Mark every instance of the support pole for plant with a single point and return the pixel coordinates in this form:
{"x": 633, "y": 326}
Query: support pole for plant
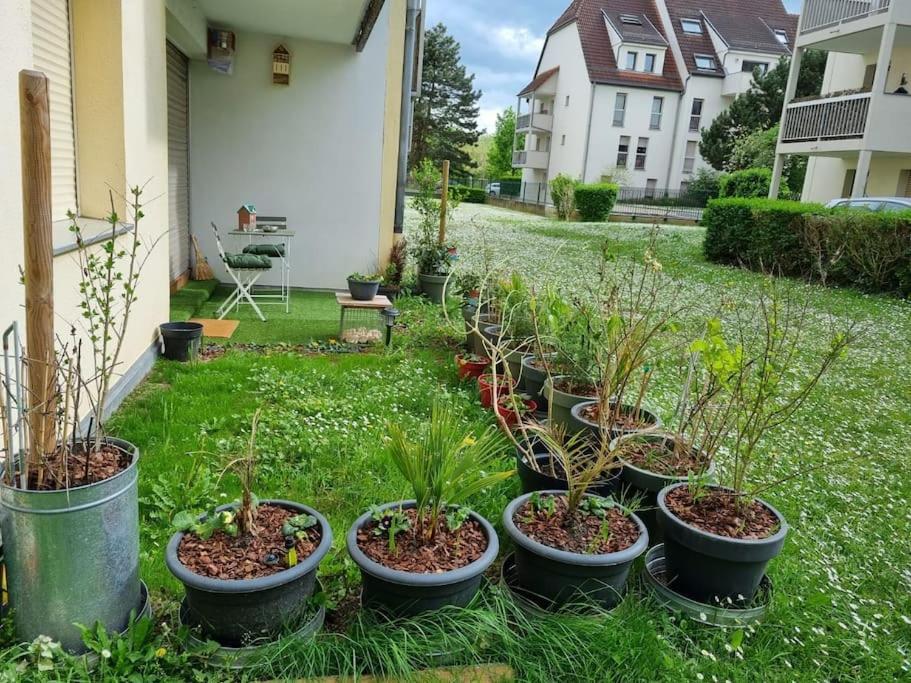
{"x": 34, "y": 124}
{"x": 444, "y": 201}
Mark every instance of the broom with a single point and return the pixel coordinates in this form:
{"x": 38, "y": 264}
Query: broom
{"x": 202, "y": 270}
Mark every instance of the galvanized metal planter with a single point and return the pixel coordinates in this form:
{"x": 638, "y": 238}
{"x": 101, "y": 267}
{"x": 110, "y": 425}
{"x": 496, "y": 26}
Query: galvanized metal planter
{"x": 73, "y": 556}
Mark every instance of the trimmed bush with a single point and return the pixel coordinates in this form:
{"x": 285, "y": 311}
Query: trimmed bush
{"x": 470, "y": 195}
{"x": 595, "y": 202}
{"x": 750, "y": 183}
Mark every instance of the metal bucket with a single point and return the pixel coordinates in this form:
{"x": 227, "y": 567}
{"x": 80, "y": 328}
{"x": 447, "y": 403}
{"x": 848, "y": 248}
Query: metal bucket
{"x": 73, "y": 556}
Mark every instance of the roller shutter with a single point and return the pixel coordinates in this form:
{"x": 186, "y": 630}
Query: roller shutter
{"x": 178, "y": 162}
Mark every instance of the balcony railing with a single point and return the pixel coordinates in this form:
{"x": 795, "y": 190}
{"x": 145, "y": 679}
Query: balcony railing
{"x": 836, "y": 118}
{"x": 530, "y": 158}
{"x": 523, "y": 122}
{"x": 539, "y": 121}
{"x": 822, "y": 13}
{"x": 519, "y": 158}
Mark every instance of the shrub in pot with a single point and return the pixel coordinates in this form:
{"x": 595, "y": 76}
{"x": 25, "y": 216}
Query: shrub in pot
{"x": 249, "y": 568}
{"x": 444, "y": 467}
{"x": 433, "y": 258}
{"x": 364, "y": 287}
{"x": 718, "y": 538}
{"x": 512, "y": 407}
{"x": 491, "y": 387}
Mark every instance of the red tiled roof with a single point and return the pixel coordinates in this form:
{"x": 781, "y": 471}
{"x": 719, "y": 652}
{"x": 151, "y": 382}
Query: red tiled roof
{"x": 539, "y": 80}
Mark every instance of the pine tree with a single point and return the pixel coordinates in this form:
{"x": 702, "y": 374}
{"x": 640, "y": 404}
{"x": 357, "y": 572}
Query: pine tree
{"x": 446, "y": 113}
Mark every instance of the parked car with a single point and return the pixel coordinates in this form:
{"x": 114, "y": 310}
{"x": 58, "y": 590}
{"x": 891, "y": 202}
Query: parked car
{"x": 493, "y": 189}
{"x": 873, "y": 204}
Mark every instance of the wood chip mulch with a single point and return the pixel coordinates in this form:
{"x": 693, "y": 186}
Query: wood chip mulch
{"x": 449, "y": 550}
{"x": 581, "y": 534}
{"x": 624, "y": 421}
{"x": 655, "y": 457}
{"x": 718, "y": 514}
{"x": 244, "y": 557}
{"x": 575, "y": 389}
{"x": 68, "y": 469}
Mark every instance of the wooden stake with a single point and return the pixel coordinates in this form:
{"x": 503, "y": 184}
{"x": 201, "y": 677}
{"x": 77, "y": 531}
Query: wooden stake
{"x": 444, "y": 201}
{"x": 34, "y": 125}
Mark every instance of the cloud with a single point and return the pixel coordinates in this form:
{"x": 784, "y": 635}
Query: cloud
{"x": 517, "y": 42}
{"x": 487, "y": 119}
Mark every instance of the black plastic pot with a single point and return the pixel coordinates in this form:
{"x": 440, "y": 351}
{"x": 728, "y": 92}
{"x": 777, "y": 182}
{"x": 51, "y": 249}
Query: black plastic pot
{"x": 534, "y": 380}
{"x": 538, "y": 479}
{"x": 235, "y": 612}
{"x": 181, "y": 340}
{"x": 406, "y": 594}
{"x": 434, "y": 286}
{"x": 711, "y": 568}
{"x": 559, "y": 577}
{"x": 637, "y": 483}
{"x": 581, "y": 423}
{"x": 560, "y": 405}
{"x": 363, "y": 290}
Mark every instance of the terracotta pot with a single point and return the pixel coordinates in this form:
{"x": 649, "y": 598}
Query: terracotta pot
{"x": 511, "y": 416}
{"x": 469, "y": 368}
{"x": 485, "y": 387}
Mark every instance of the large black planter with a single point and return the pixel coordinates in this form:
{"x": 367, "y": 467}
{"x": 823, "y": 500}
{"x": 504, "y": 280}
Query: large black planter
{"x": 239, "y": 611}
{"x": 558, "y": 577}
{"x": 434, "y": 286}
{"x": 711, "y": 568}
{"x": 637, "y": 483}
{"x": 406, "y": 594}
{"x": 560, "y": 405}
{"x": 539, "y": 479}
{"x": 534, "y": 379}
{"x": 581, "y": 423}
{"x": 181, "y": 340}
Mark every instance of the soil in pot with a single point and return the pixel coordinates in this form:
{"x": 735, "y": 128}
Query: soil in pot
{"x": 449, "y": 549}
{"x": 562, "y": 394}
{"x": 717, "y": 513}
{"x": 228, "y": 558}
{"x": 580, "y": 534}
{"x": 660, "y": 457}
{"x": 628, "y": 420}
{"x": 69, "y": 470}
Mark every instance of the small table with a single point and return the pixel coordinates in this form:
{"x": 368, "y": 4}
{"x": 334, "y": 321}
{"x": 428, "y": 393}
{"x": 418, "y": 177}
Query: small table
{"x": 345, "y": 302}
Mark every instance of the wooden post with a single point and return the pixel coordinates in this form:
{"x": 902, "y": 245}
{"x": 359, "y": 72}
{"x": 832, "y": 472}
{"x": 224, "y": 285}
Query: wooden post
{"x": 444, "y": 201}
{"x": 34, "y": 125}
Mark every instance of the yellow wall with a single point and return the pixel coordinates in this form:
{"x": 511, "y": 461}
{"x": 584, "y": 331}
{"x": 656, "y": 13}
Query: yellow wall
{"x": 391, "y": 127}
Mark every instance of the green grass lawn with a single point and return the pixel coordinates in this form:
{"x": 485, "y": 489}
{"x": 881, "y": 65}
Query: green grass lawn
{"x": 841, "y": 608}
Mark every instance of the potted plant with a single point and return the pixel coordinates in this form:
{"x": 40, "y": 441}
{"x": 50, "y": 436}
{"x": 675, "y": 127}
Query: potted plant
{"x": 395, "y": 270}
{"x": 573, "y": 545}
{"x": 364, "y": 287}
{"x": 471, "y": 365}
{"x": 719, "y": 537}
{"x": 432, "y": 254}
{"x": 492, "y": 386}
{"x": 248, "y": 568}
{"x": 70, "y": 511}
{"x": 431, "y": 551}
{"x": 512, "y": 407}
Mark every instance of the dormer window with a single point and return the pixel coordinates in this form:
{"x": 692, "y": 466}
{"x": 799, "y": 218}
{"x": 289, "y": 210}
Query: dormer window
{"x": 693, "y": 26}
{"x": 631, "y": 59}
{"x": 705, "y": 62}
{"x": 630, "y": 19}
{"x": 650, "y": 63}
{"x": 781, "y": 35}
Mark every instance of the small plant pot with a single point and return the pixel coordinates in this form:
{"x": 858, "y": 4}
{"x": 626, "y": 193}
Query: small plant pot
{"x": 581, "y": 423}
{"x": 363, "y": 290}
{"x": 540, "y": 479}
{"x": 434, "y": 286}
{"x": 645, "y": 485}
{"x": 404, "y": 593}
{"x": 560, "y": 577}
{"x": 485, "y": 388}
{"x": 534, "y": 379}
{"x": 710, "y": 568}
{"x": 181, "y": 340}
{"x": 560, "y": 405}
{"x": 511, "y": 417}
{"x": 469, "y": 368}
{"x": 236, "y": 612}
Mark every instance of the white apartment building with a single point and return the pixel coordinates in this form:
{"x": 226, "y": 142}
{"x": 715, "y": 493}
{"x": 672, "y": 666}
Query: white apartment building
{"x": 624, "y": 87}
{"x": 856, "y": 133}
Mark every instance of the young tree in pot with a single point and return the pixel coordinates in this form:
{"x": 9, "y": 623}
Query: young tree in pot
{"x": 572, "y": 545}
{"x": 429, "y": 552}
{"x": 70, "y": 511}
{"x": 433, "y": 257}
{"x": 718, "y": 538}
{"x": 249, "y": 568}
{"x": 513, "y": 301}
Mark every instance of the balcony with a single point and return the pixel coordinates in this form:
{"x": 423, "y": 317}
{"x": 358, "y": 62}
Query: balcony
{"x": 832, "y": 118}
{"x": 530, "y": 159}
{"x": 821, "y": 14}
{"x": 736, "y": 83}
{"x": 529, "y": 123}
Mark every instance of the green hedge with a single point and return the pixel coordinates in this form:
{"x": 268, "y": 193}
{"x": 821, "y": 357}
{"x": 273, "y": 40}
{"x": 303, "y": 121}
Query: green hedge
{"x": 595, "y": 202}
{"x": 470, "y": 195}
{"x": 750, "y": 183}
{"x": 871, "y": 251}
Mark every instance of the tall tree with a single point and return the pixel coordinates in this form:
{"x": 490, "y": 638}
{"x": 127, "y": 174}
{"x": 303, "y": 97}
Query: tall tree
{"x": 446, "y": 113}
{"x": 499, "y": 159}
{"x": 759, "y": 108}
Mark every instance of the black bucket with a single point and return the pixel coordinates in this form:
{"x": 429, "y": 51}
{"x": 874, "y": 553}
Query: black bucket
{"x": 181, "y": 340}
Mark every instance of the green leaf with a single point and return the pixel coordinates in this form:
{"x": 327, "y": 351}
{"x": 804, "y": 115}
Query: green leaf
{"x": 183, "y": 520}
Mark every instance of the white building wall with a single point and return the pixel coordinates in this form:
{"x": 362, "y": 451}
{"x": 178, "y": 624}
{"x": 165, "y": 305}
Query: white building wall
{"x": 311, "y": 151}
{"x": 707, "y": 89}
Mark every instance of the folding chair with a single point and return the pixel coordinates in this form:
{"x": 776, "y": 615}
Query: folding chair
{"x": 244, "y": 270}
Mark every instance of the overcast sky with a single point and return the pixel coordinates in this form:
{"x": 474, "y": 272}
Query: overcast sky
{"x": 501, "y": 41}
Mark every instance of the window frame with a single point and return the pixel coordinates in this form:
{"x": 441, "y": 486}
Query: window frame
{"x": 706, "y": 58}
{"x": 650, "y": 68}
{"x": 623, "y": 154}
{"x": 689, "y": 162}
{"x": 763, "y": 66}
{"x": 697, "y": 117}
{"x": 621, "y": 111}
{"x": 641, "y": 156}
{"x": 692, "y": 22}
{"x": 655, "y": 124}
{"x": 634, "y": 56}
{"x": 781, "y": 36}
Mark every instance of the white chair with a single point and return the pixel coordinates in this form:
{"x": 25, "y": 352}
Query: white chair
{"x": 244, "y": 270}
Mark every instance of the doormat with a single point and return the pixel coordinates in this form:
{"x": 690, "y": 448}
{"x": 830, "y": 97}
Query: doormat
{"x": 217, "y": 328}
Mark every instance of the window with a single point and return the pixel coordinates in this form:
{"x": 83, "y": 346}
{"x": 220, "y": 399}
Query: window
{"x": 684, "y": 187}
{"x": 848, "y": 186}
{"x": 693, "y": 26}
{"x": 869, "y": 75}
{"x": 620, "y": 110}
{"x": 696, "y": 116}
{"x": 650, "y": 186}
{"x": 631, "y": 19}
{"x": 623, "y": 152}
{"x": 650, "y": 62}
{"x": 781, "y": 35}
{"x": 567, "y": 101}
{"x": 705, "y": 62}
{"x": 562, "y": 140}
{"x": 657, "y": 109}
{"x": 750, "y": 67}
{"x": 641, "y": 150}
{"x": 689, "y": 159}
{"x": 631, "y": 59}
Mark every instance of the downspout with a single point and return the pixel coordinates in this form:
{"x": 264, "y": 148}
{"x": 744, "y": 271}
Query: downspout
{"x": 588, "y": 131}
{"x": 411, "y": 15}
{"x": 680, "y": 103}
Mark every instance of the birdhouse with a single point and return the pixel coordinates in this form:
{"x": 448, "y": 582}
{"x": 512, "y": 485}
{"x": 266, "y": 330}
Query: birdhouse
{"x": 281, "y": 66}
{"x": 246, "y": 217}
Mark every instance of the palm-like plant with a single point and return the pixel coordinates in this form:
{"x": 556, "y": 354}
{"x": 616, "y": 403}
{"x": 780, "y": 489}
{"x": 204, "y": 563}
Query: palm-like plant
{"x": 444, "y": 466}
